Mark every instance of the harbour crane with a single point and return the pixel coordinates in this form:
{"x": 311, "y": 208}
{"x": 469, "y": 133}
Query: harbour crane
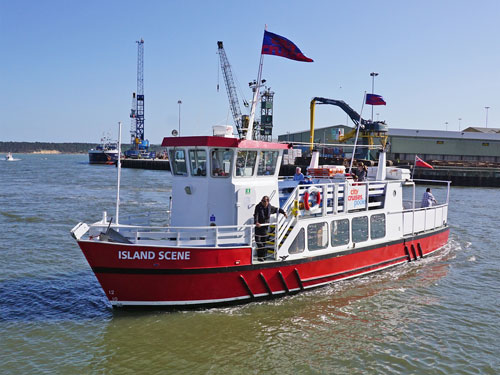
{"x": 139, "y": 145}
{"x": 368, "y": 130}
{"x": 241, "y": 121}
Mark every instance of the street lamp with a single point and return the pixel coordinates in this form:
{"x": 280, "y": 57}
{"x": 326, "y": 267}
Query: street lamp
{"x": 377, "y": 115}
{"x": 179, "y": 102}
{"x": 446, "y": 123}
{"x": 486, "y": 115}
{"x": 373, "y": 75}
{"x": 459, "y": 119}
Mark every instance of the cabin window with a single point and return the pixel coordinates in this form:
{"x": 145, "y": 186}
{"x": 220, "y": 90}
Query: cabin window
{"x": 267, "y": 163}
{"x": 179, "y": 163}
{"x": 340, "y": 232}
{"x": 245, "y": 163}
{"x": 198, "y": 160}
{"x": 377, "y": 226}
{"x": 221, "y": 162}
{"x": 317, "y": 236}
{"x": 360, "y": 229}
{"x": 299, "y": 243}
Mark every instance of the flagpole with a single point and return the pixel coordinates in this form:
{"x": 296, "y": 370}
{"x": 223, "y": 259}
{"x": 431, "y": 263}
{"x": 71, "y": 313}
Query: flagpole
{"x": 255, "y": 97}
{"x": 357, "y": 132}
{"x": 119, "y": 167}
{"x": 414, "y": 164}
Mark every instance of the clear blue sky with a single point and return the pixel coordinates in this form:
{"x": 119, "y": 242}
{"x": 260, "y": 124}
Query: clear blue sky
{"x": 69, "y": 67}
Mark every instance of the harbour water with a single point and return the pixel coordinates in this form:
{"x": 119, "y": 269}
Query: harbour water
{"x": 440, "y": 315}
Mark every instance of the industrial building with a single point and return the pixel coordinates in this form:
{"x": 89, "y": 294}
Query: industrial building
{"x": 472, "y": 144}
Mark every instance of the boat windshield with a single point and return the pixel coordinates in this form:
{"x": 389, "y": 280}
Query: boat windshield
{"x": 198, "y": 160}
{"x": 221, "y": 162}
{"x": 245, "y": 163}
{"x": 179, "y": 163}
{"x": 267, "y": 163}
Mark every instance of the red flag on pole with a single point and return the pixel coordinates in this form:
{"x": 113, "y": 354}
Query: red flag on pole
{"x": 420, "y": 163}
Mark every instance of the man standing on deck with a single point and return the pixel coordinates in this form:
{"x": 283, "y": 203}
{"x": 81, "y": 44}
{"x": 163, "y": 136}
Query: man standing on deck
{"x": 262, "y": 214}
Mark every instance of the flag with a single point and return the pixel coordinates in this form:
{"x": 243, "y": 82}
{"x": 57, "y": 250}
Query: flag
{"x": 274, "y": 44}
{"x": 375, "y": 99}
{"x": 420, "y": 163}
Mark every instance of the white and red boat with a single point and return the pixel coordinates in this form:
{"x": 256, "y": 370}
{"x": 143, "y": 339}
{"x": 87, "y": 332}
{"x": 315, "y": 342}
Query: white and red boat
{"x": 335, "y": 229}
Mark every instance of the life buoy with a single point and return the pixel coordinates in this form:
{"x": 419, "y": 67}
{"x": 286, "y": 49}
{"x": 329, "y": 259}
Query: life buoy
{"x": 315, "y": 194}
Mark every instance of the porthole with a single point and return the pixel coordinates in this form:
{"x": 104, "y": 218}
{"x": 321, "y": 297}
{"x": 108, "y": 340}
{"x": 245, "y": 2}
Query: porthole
{"x": 394, "y": 193}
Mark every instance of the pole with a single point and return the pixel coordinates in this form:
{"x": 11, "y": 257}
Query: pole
{"x": 487, "y": 115}
{"x": 373, "y": 75}
{"x": 255, "y": 99}
{"x": 459, "y": 119}
{"x": 357, "y": 133}
{"x": 179, "y": 102}
{"x": 119, "y": 172}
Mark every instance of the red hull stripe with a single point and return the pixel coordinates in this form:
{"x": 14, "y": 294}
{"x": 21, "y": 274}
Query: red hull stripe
{"x": 176, "y": 271}
{"x": 345, "y": 273}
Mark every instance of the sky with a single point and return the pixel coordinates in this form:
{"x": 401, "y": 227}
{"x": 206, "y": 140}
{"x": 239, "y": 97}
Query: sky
{"x": 69, "y": 67}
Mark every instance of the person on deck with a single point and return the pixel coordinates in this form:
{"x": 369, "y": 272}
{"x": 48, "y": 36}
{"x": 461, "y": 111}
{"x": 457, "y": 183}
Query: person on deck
{"x": 262, "y": 214}
{"x": 298, "y": 176}
{"x": 307, "y": 181}
{"x": 360, "y": 173}
{"x": 428, "y": 199}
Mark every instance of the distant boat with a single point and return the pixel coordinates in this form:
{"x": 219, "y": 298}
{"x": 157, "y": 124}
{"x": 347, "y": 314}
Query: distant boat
{"x": 104, "y": 153}
{"x": 9, "y": 157}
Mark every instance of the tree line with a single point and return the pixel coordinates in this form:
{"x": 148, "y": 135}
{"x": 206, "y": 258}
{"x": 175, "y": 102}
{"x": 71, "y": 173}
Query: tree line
{"x": 65, "y": 148}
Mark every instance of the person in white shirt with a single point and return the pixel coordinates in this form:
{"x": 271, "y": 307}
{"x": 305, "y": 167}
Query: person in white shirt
{"x": 428, "y": 199}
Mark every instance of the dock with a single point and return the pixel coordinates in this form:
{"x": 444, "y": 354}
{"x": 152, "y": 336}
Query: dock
{"x": 155, "y": 164}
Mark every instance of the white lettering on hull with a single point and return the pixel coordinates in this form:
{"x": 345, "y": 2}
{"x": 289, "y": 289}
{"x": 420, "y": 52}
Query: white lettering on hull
{"x": 151, "y": 255}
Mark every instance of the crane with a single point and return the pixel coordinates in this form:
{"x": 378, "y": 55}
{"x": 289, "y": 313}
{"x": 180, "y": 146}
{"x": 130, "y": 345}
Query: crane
{"x": 241, "y": 121}
{"x": 139, "y": 145}
{"x": 369, "y": 130}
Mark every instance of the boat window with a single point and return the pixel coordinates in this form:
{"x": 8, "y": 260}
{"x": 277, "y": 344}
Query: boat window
{"x": 377, "y": 226}
{"x": 179, "y": 163}
{"x": 267, "y": 163}
{"x": 317, "y": 236}
{"x": 299, "y": 243}
{"x": 221, "y": 162}
{"x": 340, "y": 232}
{"x": 198, "y": 160}
{"x": 245, "y": 163}
{"x": 360, "y": 229}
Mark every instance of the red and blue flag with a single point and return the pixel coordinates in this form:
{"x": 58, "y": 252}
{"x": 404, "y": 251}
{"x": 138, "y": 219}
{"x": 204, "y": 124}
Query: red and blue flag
{"x": 274, "y": 44}
{"x": 375, "y": 99}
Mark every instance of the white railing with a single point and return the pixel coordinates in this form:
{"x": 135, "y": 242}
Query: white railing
{"x": 211, "y": 236}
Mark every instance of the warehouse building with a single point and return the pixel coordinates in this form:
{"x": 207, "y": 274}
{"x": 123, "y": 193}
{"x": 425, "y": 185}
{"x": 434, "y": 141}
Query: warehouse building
{"x": 472, "y": 144}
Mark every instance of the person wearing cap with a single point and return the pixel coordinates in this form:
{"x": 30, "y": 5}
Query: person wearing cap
{"x": 307, "y": 181}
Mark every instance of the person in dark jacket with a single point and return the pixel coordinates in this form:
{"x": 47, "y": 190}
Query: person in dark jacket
{"x": 360, "y": 173}
{"x": 262, "y": 214}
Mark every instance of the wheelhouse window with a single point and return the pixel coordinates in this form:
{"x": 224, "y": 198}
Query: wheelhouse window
{"x": 198, "y": 160}
{"x": 317, "y": 236}
{"x": 221, "y": 159}
{"x": 179, "y": 162}
{"x": 340, "y": 232}
{"x": 299, "y": 243}
{"x": 360, "y": 229}
{"x": 377, "y": 226}
{"x": 267, "y": 163}
{"x": 245, "y": 163}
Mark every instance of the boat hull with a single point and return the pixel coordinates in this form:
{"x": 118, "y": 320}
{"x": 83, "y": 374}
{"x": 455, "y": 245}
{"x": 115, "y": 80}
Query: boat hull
{"x": 103, "y": 157}
{"x": 133, "y": 275}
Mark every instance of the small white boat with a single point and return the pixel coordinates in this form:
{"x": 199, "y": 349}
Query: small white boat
{"x": 9, "y": 157}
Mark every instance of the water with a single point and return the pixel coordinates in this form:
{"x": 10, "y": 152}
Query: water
{"x": 440, "y": 315}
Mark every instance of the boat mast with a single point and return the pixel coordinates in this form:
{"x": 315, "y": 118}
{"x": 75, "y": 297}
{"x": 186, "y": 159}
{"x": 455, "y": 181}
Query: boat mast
{"x": 119, "y": 165}
{"x": 357, "y": 132}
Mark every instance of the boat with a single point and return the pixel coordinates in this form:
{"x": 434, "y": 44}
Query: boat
{"x": 206, "y": 254}
{"x": 104, "y": 153}
{"x": 9, "y": 157}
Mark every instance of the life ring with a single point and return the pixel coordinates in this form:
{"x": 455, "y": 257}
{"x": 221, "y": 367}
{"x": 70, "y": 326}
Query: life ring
{"x": 315, "y": 194}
